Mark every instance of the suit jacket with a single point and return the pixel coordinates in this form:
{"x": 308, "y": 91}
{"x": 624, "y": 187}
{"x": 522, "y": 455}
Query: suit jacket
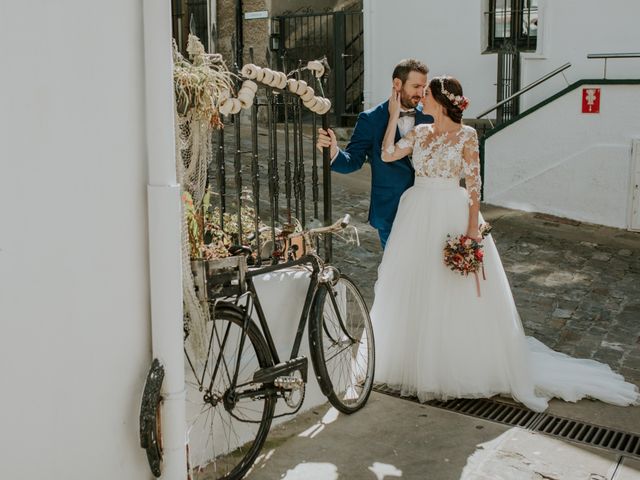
{"x": 388, "y": 180}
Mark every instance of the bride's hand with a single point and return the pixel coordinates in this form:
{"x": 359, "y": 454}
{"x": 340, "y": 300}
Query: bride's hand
{"x": 394, "y": 104}
{"x": 474, "y": 233}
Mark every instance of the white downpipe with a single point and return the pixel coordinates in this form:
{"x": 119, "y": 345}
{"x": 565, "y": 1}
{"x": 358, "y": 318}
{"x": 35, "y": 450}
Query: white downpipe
{"x": 165, "y": 247}
{"x": 367, "y": 23}
{"x": 212, "y": 20}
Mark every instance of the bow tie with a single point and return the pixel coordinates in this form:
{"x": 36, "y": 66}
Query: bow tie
{"x": 409, "y": 113}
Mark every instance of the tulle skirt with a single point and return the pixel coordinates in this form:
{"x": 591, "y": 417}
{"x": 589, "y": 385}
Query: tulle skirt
{"x": 437, "y": 339}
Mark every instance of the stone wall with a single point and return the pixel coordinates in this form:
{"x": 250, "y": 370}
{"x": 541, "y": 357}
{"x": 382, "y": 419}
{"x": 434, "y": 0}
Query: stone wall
{"x": 255, "y": 32}
{"x": 280, "y": 7}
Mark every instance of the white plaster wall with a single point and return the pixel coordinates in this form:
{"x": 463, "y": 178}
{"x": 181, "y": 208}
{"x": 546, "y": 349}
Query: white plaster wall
{"x": 566, "y": 163}
{"x": 75, "y": 334}
{"x": 74, "y": 313}
{"x": 572, "y": 29}
{"x": 450, "y": 38}
{"x": 446, "y": 37}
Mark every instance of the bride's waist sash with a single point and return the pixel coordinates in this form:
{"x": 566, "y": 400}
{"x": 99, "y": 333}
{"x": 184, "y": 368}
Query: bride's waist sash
{"x": 437, "y": 182}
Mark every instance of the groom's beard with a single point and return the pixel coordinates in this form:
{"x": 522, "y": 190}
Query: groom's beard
{"x": 409, "y": 102}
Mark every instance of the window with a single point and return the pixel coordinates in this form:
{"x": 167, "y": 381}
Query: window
{"x": 512, "y": 23}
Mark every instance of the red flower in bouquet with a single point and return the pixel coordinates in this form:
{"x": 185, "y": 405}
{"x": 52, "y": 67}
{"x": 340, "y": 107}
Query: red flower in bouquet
{"x": 464, "y": 255}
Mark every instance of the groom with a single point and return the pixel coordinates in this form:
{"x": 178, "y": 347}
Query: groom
{"x": 388, "y": 180}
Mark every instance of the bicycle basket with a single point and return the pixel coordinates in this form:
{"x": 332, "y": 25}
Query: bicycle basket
{"x": 221, "y": 277}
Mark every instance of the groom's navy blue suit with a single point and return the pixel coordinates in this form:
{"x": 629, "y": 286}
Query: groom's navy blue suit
{"x": 388, "y": 180}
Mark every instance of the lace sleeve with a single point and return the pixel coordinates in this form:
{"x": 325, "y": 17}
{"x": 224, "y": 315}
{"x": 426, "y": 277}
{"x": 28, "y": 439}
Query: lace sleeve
{"x": 471, "y": 157}
{"x": 401, "y": 149}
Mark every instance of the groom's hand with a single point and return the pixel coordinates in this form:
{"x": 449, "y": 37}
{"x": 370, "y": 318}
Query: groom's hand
{"x": 326, "y": 138}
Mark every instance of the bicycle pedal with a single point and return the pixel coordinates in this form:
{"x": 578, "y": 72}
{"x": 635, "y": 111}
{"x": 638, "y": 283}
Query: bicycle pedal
{"x": 283, "y": 369}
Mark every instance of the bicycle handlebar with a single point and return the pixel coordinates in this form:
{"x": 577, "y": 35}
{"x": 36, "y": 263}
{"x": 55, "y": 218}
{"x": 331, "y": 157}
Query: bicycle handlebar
{"x": 335, "y": 227}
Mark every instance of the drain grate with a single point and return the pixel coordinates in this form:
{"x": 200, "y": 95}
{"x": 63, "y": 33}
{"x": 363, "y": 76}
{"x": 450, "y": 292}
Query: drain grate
{"x": 490, "y": 410}
{"x": 589, "y": 434}
{"x": 626, "y": 443}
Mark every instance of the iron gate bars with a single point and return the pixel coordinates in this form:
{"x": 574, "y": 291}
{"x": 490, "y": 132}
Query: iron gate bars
{"x": 264, "y": 159}
{"x": 508, "y": 82}
{"x": 339, "y": 36}
{"x": 513, "y": 28}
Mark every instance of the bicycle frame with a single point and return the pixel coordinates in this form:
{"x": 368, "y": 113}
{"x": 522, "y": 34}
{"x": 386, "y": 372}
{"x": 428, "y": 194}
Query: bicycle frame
{"x": 274, "y": 378}
{"x": 314, "y": 281}
{"x": 279, "y": 368}
{"x": 269, "y": 374}
{"x": 311, "y": 291}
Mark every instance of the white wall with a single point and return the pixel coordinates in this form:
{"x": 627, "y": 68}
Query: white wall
{"x": 449, "y": 37}
{"x": 74, "y": 314}
{"x": 75, "y": 334}
{"x": 566, "y": 163}
{"x": 572, "y": 29}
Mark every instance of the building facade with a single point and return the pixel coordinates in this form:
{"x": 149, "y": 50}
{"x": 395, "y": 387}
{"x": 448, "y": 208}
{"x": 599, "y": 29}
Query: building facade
{"x": 497, "y": 47}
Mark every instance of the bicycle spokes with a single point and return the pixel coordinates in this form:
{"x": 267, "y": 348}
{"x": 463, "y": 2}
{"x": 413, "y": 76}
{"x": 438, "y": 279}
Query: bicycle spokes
{"x": 225, "y": 421}
{"x": 346, "y": 346}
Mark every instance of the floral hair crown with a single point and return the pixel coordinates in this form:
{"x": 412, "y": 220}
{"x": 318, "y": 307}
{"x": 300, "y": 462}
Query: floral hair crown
{"x": 459, "y": 101}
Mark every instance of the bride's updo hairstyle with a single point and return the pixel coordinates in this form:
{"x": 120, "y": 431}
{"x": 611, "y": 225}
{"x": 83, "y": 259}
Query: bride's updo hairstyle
{"x": 447, "y": 91}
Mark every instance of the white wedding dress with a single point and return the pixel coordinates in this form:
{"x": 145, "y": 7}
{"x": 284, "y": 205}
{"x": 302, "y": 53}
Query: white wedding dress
{"x": 435, "y": 338}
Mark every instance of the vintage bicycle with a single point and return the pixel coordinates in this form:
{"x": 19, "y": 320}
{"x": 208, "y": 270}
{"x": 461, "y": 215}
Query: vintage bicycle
{"x": 233, "y": 389}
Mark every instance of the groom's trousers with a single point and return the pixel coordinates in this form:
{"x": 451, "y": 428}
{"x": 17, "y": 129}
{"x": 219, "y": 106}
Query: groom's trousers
{"x": 383, "y": 233}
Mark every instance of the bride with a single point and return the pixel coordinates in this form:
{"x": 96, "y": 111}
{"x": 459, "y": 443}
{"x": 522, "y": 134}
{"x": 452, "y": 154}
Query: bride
{"x": 435, "y": 337}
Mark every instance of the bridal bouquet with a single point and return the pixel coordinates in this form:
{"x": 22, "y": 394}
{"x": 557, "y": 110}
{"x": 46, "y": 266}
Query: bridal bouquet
{"x": 464, "y": 255}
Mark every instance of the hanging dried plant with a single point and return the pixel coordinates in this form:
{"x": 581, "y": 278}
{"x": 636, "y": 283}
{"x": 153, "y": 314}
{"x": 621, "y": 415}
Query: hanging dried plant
{"x": 200, "y": 84}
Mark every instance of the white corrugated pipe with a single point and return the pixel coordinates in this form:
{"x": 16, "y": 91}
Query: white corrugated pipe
{"x": 164, "y": 233}
{"x": 368, "y": 42}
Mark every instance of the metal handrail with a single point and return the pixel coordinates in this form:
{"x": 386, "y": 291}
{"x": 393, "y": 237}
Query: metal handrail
{"x": 613, "y": 55}
{"x": 526, "y": 89}
{"x": 607, "y": 56}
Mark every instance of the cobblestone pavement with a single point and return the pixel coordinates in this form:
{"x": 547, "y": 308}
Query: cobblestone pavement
{"x": 576, "y": 286}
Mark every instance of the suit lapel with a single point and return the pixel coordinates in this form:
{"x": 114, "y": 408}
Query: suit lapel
{"x": 421, "y": 117}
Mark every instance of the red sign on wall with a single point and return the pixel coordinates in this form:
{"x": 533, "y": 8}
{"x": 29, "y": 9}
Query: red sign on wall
{"x": 590, "y": 100}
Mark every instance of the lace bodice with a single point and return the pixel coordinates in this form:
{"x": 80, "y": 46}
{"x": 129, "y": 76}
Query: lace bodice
{"x": 445, "y": 155}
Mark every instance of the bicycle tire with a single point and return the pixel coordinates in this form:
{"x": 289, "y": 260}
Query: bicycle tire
{"x": 343, "y": 355}
{"x": 216, "y": 450}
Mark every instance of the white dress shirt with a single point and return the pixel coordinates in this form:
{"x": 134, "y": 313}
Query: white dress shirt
{"x": 405, "y": 124}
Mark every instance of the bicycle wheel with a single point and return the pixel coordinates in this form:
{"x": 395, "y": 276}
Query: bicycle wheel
{"x": 227, "y": 433}
{"x": 342, "y": 346}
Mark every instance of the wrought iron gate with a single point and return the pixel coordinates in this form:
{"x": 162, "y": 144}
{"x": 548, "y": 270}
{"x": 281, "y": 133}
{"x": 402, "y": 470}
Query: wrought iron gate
{"x": 272, "y": 167}
{"x": 339, "y": 37}
{"x": 508, "y": 82}
{"x": 513, "y": 28}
